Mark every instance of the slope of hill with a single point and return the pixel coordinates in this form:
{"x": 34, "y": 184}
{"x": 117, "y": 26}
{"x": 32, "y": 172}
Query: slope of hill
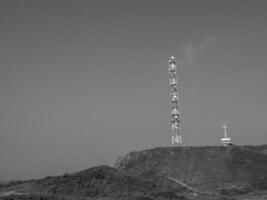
{"x": 188, "y": 173}
{"x": 100, "y": 181}
{"x": 206, "y": 168}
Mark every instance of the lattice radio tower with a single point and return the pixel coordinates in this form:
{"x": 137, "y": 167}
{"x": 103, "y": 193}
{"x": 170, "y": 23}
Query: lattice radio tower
{"x": 175, "y": 113}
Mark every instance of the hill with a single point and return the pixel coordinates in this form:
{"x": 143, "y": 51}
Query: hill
{"x": 207, "y": 167}
{"x": 233, "y": 172}
{"x": 100, "y": 181}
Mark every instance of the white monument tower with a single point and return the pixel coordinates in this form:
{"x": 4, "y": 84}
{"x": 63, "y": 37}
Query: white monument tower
{"x": 175, "y": 113}
{"x": 225, "y": 140}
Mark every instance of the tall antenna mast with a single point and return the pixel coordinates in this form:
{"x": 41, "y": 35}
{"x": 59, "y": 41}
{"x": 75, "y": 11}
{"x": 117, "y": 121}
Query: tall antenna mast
{"x": 224, "y": 127}
{"x": 175, "y": 113}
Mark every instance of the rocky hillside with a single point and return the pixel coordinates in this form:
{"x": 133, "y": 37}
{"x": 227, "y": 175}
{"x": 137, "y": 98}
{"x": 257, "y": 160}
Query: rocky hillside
{"x": 100, "y": 181}
{"x": 205, "y": 168}
{"x": 233, "y": 172}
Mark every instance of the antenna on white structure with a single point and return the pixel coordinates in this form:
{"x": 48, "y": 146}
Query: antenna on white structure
{"x": 225, "y": 140}
{"x": 175, "y": 113}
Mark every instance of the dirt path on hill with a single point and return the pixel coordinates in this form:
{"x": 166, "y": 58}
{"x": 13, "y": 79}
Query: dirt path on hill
{"x": 189, "y": 187}
{"x": 12, "y": 192}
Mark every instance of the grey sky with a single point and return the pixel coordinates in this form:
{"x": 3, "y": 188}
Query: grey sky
{"x": 82, "y": 82}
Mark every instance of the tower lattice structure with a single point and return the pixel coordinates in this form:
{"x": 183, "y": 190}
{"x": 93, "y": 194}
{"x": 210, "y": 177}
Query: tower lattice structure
{"x": 175, "y": 112}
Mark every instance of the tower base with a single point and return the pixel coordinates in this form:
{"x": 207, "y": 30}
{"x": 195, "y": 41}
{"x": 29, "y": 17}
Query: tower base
{"x": 177, "y": 140}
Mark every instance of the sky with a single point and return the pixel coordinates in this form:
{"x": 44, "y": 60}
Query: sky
{"x": 83, "y": 82}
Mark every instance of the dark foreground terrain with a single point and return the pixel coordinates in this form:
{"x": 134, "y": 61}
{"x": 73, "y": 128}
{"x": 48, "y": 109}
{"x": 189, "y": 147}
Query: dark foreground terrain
{"x": 177, "y": 173}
